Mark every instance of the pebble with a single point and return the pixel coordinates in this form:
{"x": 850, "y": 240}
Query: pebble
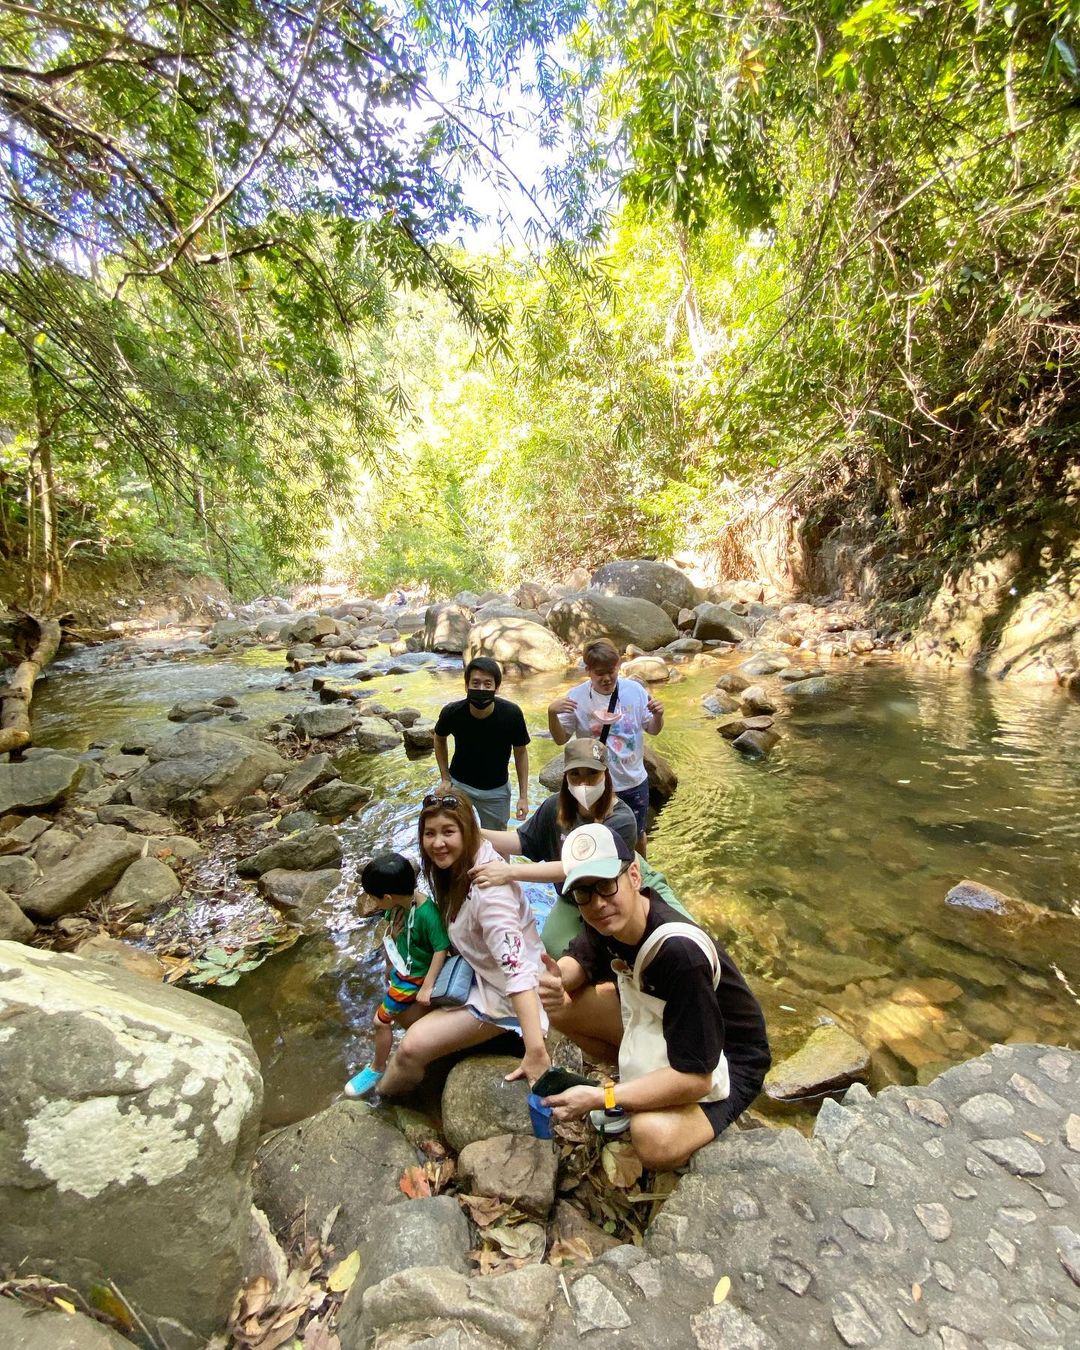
{"x": 1015, "y": 1155}
{"x": 854, "y": 1168}
{"x": 928, "y": 1109}
{"x": 936, "y": 1219}
{"x": 963, "y": 1191}
{"x": 1032, "y": 1093}
{"x": 725, "y": 1327}
{"x": 852, "y": 1321}
{"x": 1056, "y": 1066}
{"x": 792, "y": 1275}
{"x": 944, "y": 1274}
{"x": 1003, "y": 1249}
{"x": 1072, "y": 1133}
{"x": 987, "y": 1111}
{"x": 596, "y": 1308}
{"x": 873, "y": 1225}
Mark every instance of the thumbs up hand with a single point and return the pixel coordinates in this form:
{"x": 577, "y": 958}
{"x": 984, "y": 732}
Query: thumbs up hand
{"x": 552, "y": 993}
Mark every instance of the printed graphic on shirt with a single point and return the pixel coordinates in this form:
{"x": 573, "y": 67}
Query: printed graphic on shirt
{"x": 511, "y": 957}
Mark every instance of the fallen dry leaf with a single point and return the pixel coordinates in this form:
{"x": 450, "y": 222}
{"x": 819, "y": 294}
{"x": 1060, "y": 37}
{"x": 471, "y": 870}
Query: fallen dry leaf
{"x": 621, "y": 1164}
{"x": 916, "y": 1292}
{"x": 483, "y": 1209}
{"x": 340, "y": 1279}
{"x": 723, "y": 1288}
{"x": 63, "y": 1303}
{"x": 570, "y": 1251}
{"x": 317, "y": 1336}
{"x": 414, "y": 1183}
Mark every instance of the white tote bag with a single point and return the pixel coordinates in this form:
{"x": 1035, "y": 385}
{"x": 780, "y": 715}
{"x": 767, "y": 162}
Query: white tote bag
{"x": 643, "y": 1048}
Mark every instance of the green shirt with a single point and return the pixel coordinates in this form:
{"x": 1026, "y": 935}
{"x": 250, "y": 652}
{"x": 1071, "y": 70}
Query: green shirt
{"x": 422, "y": 934}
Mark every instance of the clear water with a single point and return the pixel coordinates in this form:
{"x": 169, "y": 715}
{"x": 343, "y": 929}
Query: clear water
{"x": 823, "y": 869}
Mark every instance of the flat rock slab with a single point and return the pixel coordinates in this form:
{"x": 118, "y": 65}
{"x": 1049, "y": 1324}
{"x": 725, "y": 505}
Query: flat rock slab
{"x": 831, "y": 1060}
{"x": 517, "y": 1168}
{"x": 101, "y": 858}
{"x": 305, "y": 851}
{"x": 38, "y": 782}
{"x": 26, "y": 1327}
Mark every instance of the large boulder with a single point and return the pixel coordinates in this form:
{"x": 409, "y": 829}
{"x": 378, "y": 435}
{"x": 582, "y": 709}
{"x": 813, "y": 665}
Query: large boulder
{"x": 198, "y": 772}
{"x": 28, "y": 1326}
{"x": 446, "y": 627}
{"x": 306, "y": 851}
{"x": 128, "y": 1120}
{"x": 375, "y": 734}
{"x": 644, "y": 579}
{"x": 717, "y": 622}
{"x": 520, "y": 645}
{"x": 345, "y": 1159}
{"x": 95, "y": 866}
{"x": 148, "y": 882}
{"x": 589, "y": 614}
{"x": 316, "y": 723}
{"x": 14, "y": 925}
{"x": 38, "y": 782}
{"x": 477, "y": 1102}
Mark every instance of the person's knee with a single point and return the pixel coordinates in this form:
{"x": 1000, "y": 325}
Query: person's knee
{"x": 653, "y": 1142}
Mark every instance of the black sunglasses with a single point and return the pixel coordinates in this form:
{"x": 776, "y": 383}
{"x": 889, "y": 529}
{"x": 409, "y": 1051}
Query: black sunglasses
{"x": 433, "y": 799}
{"x": 585, "y": 892}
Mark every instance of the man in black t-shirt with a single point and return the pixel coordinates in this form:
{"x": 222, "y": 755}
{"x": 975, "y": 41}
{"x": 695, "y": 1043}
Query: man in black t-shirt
{"x": 485, "y": 729}
{"x": 693, "y": 1052}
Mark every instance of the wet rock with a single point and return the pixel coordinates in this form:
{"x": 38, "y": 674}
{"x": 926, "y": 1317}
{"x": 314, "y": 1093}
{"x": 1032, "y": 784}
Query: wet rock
{"x": 194, "y": 711}
{"x": 134, "y": 818}
{"x": 147, "y": 883}
{"x": 306, "y": 851}
{"x": 173, "y": 848}
{"x": 308, "y": 774}
{"x": 478, "y": 1104}
{"x": 731, "y": 682}
{"x": 663, "y": 780}
{"x": 199, "y": 772}
{"x": 817, "y": 687}
{"x": 103, "y": 855}
{"x": 374, "y": 735}
{"x": 521, "y": 645}
{"x": 791, "y": 674}
{"x": 720, "y": 704}
{"x": 38, "y": 782}
{"x": 14, "y": 924}
{"x": 516, "y": 1168}
{"x": 447, "y": 627}
{"x": 343, "y": 1158}
{"x": 317, "y": 723}
{"x": 135, "y": 1116}
{"x": 295, "y": 821}
{"x": 28, "y": 1326}
{"x": 719, "y": 621}
{"x": 577, "y": 618}
{"x": 975, "y": 896}
{"x": 756, "y": 744}
{"x": 17, "y": 873}
{"x": 736, "y": 724}
{"x": 338, "y": 798}
{"x": 755, "y": 702}
{"x": 298, "y": 890}
{"x": 829, "y": 1061}
{"x": 420, "y": 735}
{"x": 761, "y": 665}
{"x": 833, "y": 970}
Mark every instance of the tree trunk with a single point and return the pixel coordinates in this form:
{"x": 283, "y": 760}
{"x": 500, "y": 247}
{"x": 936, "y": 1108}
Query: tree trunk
{"x": 16, "y": 695}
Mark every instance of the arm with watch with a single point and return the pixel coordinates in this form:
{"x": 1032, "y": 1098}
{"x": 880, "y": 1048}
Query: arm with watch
{"x": 663, "y": 1088}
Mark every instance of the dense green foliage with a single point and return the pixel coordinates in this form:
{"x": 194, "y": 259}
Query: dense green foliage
{"x": 820, "y": 250}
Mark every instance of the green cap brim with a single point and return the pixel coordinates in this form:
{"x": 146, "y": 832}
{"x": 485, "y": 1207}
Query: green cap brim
{"x": 601, "y": 869}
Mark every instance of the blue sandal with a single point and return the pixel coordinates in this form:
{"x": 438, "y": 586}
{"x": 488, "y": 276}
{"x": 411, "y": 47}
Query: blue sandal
{"x": 367, "y": 1080}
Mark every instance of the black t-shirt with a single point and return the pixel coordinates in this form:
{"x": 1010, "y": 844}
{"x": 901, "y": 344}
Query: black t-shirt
{"x": 700, "y": 1022}
{"x": 482, "y": 745}
{"x": 541, "y": 836}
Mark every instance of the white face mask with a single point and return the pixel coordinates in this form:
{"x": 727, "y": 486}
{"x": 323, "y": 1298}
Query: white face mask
{"x": 585, "y": 794}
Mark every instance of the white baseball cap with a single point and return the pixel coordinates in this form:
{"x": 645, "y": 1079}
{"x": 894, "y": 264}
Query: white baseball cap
{"x": 593, "y": 851}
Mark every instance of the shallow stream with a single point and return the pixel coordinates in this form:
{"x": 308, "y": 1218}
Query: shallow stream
{"x": 824, "y": 869}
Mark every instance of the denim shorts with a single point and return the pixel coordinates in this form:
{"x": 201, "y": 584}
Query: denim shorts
{"x": 637, "y": 799}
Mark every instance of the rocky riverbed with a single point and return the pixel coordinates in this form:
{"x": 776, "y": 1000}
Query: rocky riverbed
{"x": 209, "y": 854}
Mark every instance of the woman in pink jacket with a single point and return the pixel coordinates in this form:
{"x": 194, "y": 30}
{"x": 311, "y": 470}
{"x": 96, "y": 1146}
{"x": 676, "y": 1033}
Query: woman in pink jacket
{"x": 493, "y": 928}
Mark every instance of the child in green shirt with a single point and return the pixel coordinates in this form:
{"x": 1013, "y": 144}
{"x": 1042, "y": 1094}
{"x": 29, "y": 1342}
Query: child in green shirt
{"x": 416, "y": 946}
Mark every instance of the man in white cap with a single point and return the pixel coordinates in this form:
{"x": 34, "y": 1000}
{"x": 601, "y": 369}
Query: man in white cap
{"x": 642, "y": 982}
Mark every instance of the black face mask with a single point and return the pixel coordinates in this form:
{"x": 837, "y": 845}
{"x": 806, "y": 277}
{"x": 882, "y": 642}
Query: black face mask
{"x": 480, "y": 698}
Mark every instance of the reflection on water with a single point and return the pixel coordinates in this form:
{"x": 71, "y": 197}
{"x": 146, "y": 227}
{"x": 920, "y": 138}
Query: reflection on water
{"x": 824, "y": 868}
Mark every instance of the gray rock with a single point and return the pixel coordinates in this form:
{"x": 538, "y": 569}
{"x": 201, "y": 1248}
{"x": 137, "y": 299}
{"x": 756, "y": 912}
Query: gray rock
{"x": 720, "y": 704}
{"x": 29, "y": 830}
{"x": 295, "y": 821}
{"x": 345, "y": 1158}
{"x": 512, "y": 1309}
{"x": 644, "y": 579}
{"x": 762, "y": 664}
{"x": 38, "y": 782}
{"x": 872, "y": 1225}
{"x": 130, "y": 1130}
{"x": 14, "y": 924}
{"x": 308, "y": 774}
{"x": 478, "y": 1104}
{"x": 54, "y": 846}
{"x": 122, "y": 765}
{"x": 307, "y": 851}
{"x": 374, "y": 734}
{"x": 338, "y": 798}
{"x": 194, "y": 711}
{"x": 199, "y": 772}
{"x": 936, "y": 1219}
{"x": 577, "y": 618}
{"x": 852, "y": 1322}
{"x": 1014, "y": 1154}
{"x": 820, "y": 687}
{"x": 17, "y": 873}
{"x": 988, "y": 1111}
{"x": 718, "y": 621}
{"x": 447, "y": 627}
{"x": 830, "y": 1061}
{"x": 731, "y": 682}
{"x": 298, "y": 890}
{"x": 420, "y": 735}
{"x": 317, "y": 723}
{"x": 517, "y": 1168}
{"x": 103, "y": 855}
{"x": 520, "y": 644}
{"x": 725, "y": 1327}
{"x": 134, "y": 818}
{"x": 595, "y": 1307}
{"x": 28, "y": 1326}
{"x": 756, "y": 744}
{"x": 147, "y": 883}
{"x": 755, "y": 702}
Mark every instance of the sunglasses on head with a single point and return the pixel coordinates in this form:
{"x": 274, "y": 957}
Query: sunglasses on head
{"x": 585, "y": 892}
{"x": 434, "y": 799}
